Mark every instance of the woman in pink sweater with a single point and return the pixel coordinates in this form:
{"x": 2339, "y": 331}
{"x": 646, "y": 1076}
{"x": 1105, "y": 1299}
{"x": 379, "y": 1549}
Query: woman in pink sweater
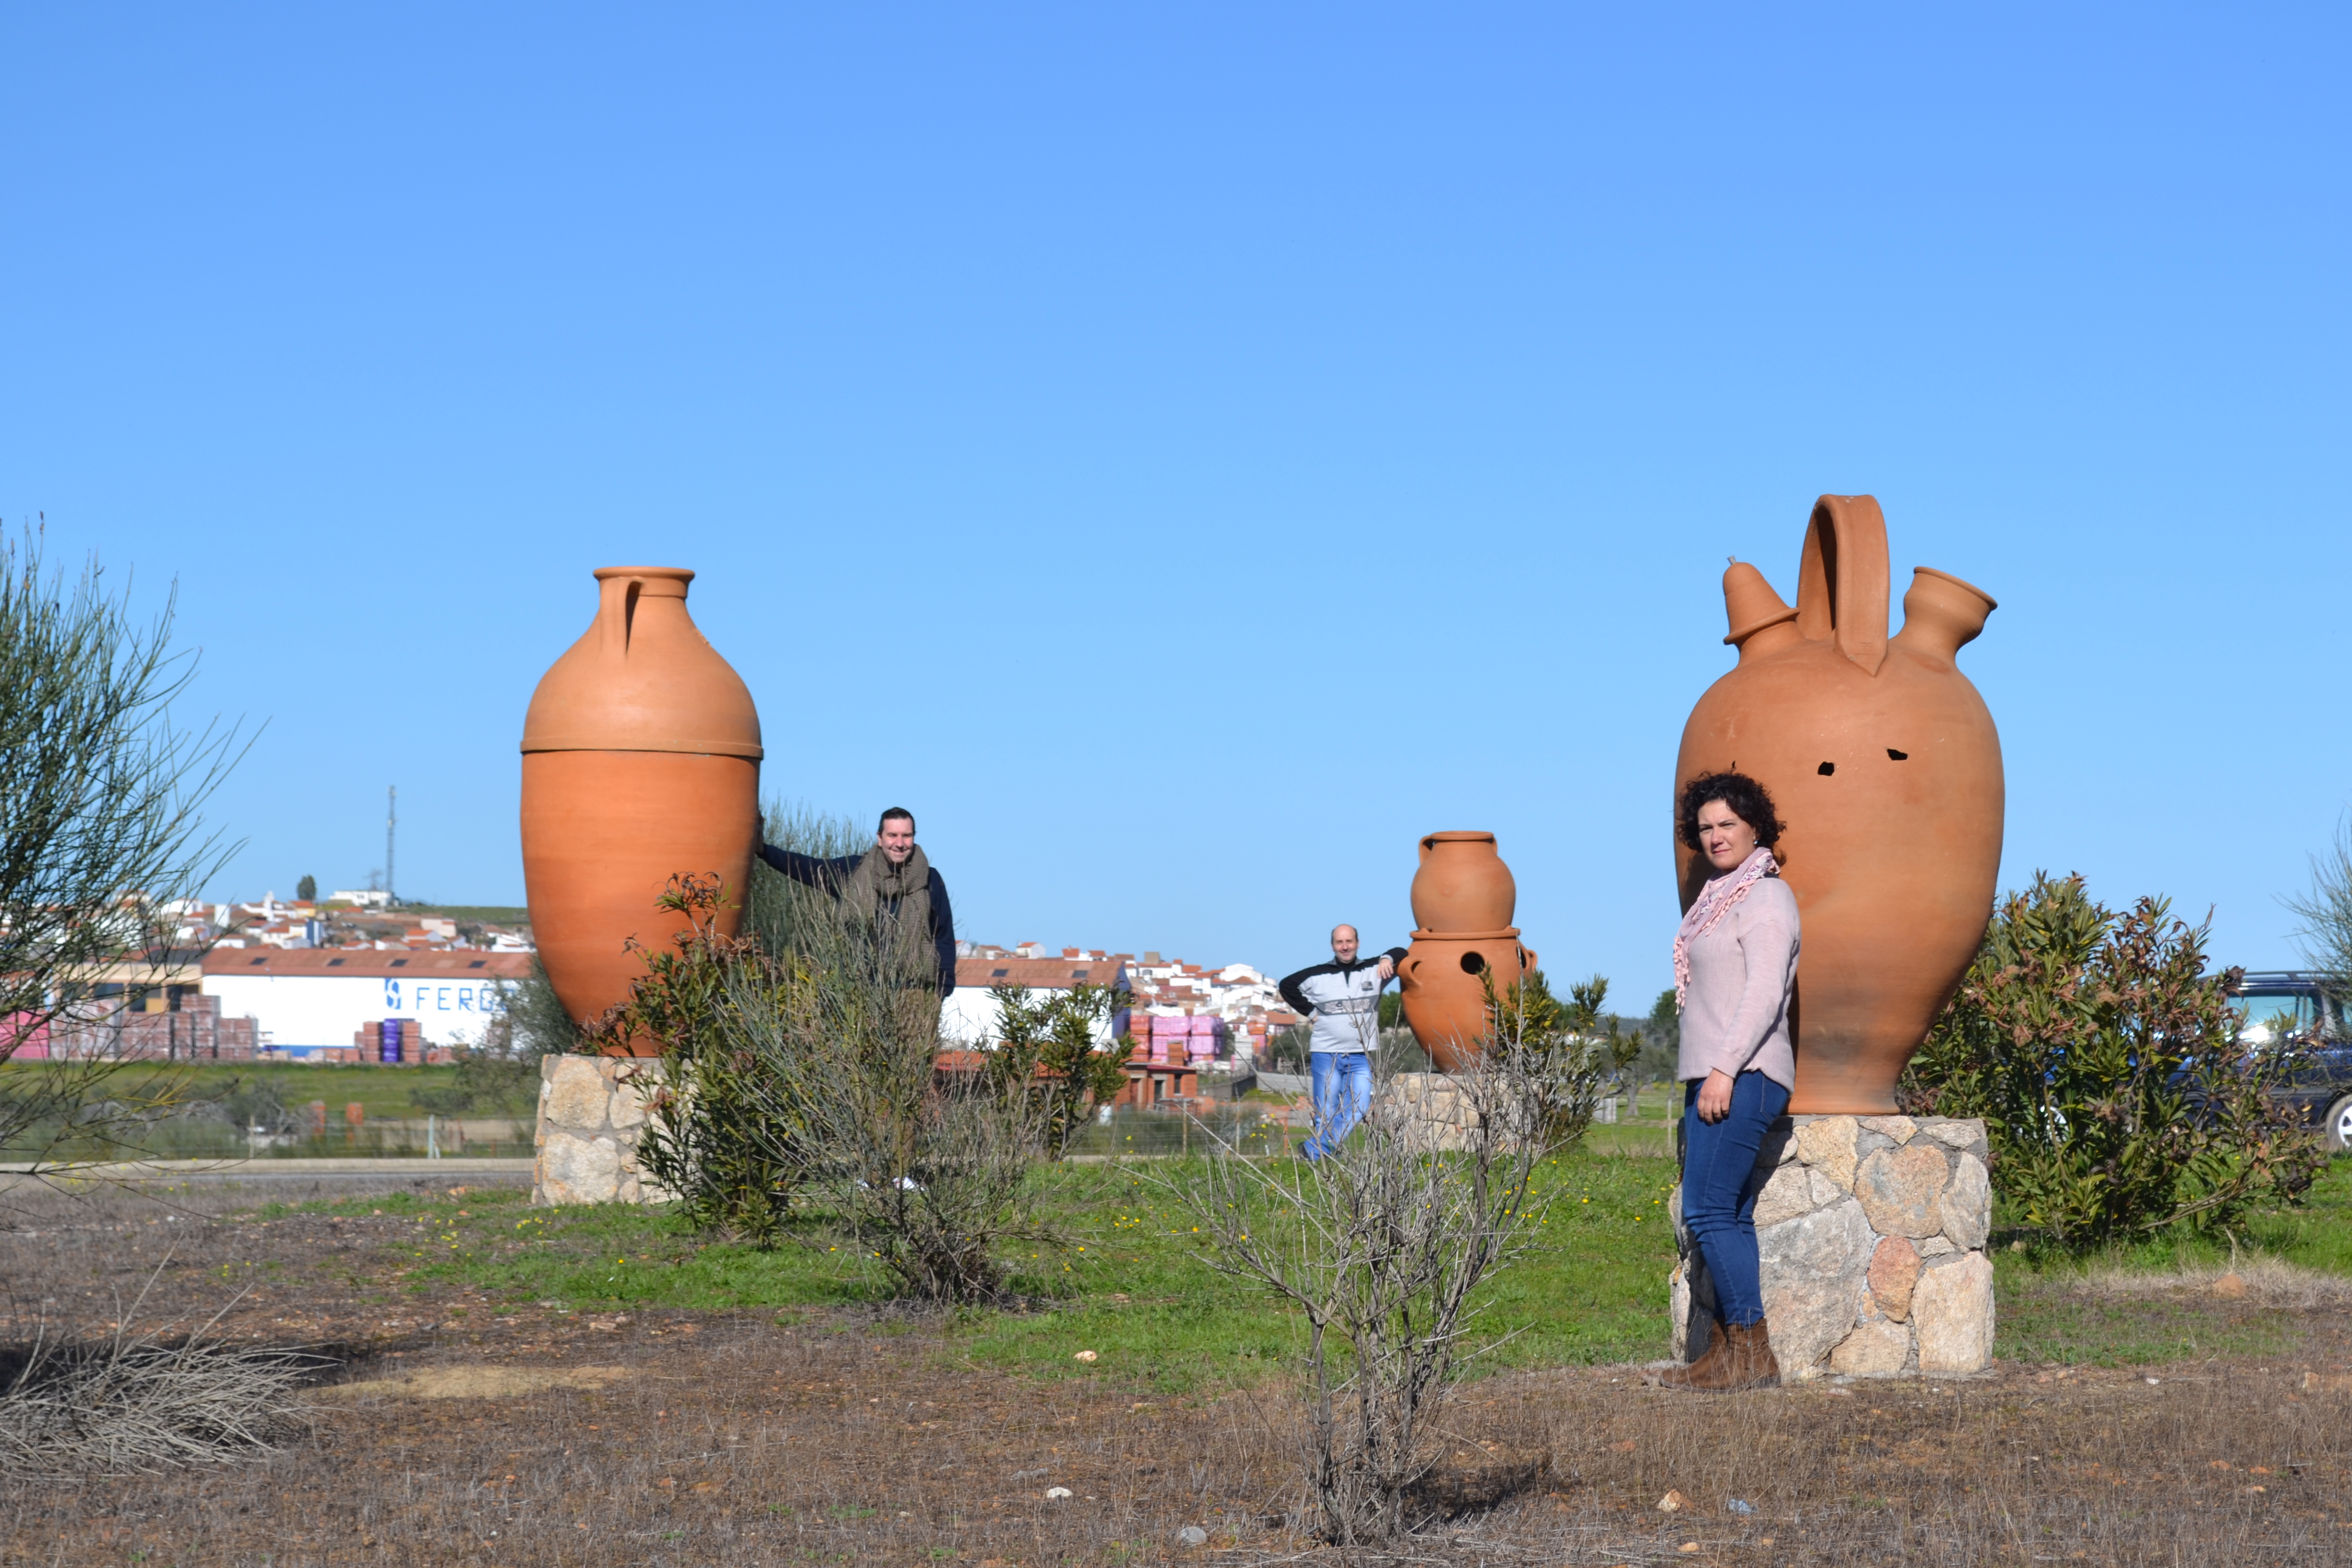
{"x": 1735, "y": 967}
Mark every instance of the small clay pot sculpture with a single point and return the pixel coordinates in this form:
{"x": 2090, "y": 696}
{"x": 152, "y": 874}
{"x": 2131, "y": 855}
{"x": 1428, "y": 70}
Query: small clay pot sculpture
{"x": 1884, "y": 767}
{"x": 1463, "y": 899}
{"x": 641, "y": 762}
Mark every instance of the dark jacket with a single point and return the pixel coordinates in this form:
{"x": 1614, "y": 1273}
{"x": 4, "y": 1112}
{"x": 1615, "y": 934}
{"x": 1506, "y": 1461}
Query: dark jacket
{"x": 830, "y": 875}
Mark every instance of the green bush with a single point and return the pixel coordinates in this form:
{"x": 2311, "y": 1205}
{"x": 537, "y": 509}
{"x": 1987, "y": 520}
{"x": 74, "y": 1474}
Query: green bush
{"x": 711, "y": 1136}
{"x": 533, "y": 1022}
{"x": 1054, "y": 1031}
{"x": 930, "y": 1172}
{"x": 488, "y": 1081}
{"x": 1286, "y": 1050}
{"x": 2106, "y": 1063}
{"x": 1573, "y": 1047}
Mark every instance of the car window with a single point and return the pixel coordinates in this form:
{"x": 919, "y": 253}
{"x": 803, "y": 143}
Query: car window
{"x": 2274, "y": 1016}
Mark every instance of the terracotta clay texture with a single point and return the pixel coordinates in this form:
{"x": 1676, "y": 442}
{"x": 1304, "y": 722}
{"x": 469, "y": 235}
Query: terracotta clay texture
{"x": 1885, "y": 769}
{"x": 1444, "y": 999}
{"x": 1463, "y": 884}
{"x": 1463, "y": 900}
{"x": 641, "y": 762}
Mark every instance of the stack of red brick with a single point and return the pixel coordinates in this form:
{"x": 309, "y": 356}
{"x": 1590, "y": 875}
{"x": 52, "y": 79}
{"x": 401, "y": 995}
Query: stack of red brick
{"x": 194, "y": 1031}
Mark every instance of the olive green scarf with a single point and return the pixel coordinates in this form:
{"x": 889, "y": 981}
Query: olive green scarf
{"x": 877, "y": 888}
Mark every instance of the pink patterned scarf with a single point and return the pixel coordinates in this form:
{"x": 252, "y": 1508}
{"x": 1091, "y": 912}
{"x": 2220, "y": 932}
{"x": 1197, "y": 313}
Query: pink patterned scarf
{"x": 1714, "y": 902}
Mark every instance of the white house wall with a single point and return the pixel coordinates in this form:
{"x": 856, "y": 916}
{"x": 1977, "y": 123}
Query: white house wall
{"x": 328, "y": 1009}
{"x": 970, "y": 1016}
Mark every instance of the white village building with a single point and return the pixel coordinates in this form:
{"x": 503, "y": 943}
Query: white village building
{"x": 310, "y": 999}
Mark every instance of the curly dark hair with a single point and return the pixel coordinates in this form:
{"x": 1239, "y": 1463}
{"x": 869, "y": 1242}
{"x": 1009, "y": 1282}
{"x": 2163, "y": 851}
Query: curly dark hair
{"x": 1748, "y": 800}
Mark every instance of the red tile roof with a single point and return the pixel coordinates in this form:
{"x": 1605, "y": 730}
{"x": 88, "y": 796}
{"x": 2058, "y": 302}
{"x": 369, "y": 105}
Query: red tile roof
{"x": 367, "y": 962}
{"x": 1038, "y": 973}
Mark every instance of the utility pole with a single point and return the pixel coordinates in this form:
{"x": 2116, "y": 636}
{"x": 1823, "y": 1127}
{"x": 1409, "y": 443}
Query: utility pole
{"x": 391, "y": 826}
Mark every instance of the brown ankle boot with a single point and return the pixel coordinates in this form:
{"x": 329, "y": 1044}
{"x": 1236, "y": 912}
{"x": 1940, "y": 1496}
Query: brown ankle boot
{"x": 1710, "y": 1372}
{"x": 1753, "y": 1364}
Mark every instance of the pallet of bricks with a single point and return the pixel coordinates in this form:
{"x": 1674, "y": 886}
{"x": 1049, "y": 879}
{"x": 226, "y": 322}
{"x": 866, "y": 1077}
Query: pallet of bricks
{"x": 194, "y": 1031}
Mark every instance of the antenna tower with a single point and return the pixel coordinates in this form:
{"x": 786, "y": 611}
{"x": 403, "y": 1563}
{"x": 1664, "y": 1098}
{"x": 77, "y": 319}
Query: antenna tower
{"x": 391, "y": 826}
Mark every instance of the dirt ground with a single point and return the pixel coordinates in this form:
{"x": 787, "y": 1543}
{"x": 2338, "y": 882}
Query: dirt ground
{"x": 455, "y": 1430}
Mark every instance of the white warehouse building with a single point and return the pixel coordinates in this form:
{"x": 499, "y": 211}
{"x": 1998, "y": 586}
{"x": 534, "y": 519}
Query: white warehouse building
{"x": 307, "y": 999}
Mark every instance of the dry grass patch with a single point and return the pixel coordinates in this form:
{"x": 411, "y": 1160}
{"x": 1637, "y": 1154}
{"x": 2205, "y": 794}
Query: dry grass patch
{"x": 478, "y": 1382}
{"x": 2266, "y": 1282}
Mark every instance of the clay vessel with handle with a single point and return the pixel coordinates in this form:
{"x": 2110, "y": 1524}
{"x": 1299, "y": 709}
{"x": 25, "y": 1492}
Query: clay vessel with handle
{"x": 640, "y": 761}
{"x": 1884, "y": 767}
{"x": 1463, "y": 884}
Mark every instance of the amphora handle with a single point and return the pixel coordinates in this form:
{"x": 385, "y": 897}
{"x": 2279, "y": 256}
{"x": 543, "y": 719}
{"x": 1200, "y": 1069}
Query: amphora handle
{"x": 1843, "y": 583}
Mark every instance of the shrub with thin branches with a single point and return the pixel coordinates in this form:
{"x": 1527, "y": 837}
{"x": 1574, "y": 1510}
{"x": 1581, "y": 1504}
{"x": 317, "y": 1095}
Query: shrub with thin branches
{"x": 928, "y": 1171}
{"x": 800, "y": 1076}
{"x": 101, "y": 828}
{"x": 709, "y": 1140}
{"x": 1381, "y": 1246}
{"x": 2325, "y": 937}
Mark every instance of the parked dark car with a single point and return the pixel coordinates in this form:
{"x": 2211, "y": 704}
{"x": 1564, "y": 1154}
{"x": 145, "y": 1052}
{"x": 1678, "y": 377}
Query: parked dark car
{"x": 2284, "y": 1004}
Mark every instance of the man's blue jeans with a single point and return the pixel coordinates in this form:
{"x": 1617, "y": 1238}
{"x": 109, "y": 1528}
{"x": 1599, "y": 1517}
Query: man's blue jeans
{"x": 1720, "y": 1182}
{"x": 1343, "y": 1093}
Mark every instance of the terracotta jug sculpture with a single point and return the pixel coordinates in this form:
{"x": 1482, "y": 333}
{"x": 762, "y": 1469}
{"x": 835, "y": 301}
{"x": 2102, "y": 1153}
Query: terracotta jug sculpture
{"x": 640, "y": 761}
{"x": 1884, "y": 767}
{"x": 1463, "y": 884}
{"x": 1463, "y": 900}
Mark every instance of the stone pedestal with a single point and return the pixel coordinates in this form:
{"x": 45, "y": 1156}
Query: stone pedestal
{"x": 591, "y": 1110}
{"x": 1436, "y": 1102}
{"x": 1872, "y": 1231}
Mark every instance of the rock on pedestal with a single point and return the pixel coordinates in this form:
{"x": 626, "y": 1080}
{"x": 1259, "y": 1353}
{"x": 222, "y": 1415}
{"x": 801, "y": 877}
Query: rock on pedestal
{"x": 591, "y": 1111}
{"x": 1872, "y": 1231}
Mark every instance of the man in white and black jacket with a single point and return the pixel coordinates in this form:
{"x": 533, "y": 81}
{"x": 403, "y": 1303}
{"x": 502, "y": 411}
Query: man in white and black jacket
{"x": 1342, "y": 998}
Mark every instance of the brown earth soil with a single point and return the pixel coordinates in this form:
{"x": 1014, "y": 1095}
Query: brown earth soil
{"x": 458, "y": 1433}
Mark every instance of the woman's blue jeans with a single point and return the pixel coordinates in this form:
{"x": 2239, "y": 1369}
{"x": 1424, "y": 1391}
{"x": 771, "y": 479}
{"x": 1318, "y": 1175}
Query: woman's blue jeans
{"x": 1720, "y": 1182}
{"x": 1342, "y": 1083}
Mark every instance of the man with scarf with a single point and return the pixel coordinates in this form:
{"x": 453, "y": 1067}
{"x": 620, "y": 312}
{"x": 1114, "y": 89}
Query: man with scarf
{"x": 893, "y": 882}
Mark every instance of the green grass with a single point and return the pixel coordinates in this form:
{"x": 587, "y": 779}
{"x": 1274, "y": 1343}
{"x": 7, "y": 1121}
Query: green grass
{"x": 1139, "y": 1295}
{"x": 383, "y": 1091}
{"x": 2039, "y": 1323}
{"x": 1132, "y": 1288}
{"x": 385, "y": 1094}
{"x": 2043, "y": 1317}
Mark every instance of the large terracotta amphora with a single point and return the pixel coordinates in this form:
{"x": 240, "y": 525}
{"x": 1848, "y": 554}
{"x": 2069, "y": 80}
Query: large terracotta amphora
{"x": 640, "y": 761}
{"x": 1885, "y": 770}
{"x": 1463, "y": 900}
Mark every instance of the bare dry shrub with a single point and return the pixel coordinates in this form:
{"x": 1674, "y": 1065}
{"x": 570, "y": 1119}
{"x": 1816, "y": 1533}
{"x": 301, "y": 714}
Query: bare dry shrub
{"x": 139, "y": 1401}
{"x": 1380, "y": 1246}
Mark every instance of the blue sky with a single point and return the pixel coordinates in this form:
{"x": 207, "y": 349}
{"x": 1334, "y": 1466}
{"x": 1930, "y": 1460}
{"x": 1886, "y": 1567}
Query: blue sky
{"x": 1186, "y": 452}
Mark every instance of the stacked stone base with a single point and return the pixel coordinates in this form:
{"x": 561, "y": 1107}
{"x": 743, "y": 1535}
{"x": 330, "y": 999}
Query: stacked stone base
{"x": 591, "y": 1111}
{"x": 1436, "y": 1102}
{"x": 1872, "y": 1231}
